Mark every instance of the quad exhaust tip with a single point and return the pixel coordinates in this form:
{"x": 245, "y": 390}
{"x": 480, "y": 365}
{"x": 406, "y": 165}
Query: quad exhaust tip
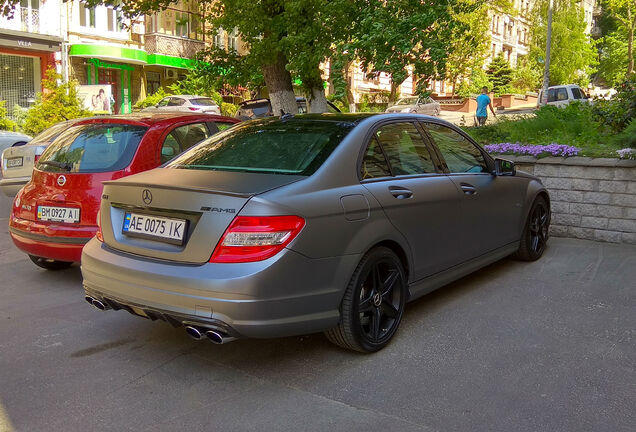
{"x": 98, "y": 304}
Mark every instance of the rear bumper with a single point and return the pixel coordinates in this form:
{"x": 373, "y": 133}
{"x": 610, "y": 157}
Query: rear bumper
{"x": 288, "y": 294}
{"x": 11, "y": 186}
{"x": 34, "y": 239}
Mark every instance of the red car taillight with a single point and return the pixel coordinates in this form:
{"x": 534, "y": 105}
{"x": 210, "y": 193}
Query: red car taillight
{"x": 255, "y": 238}
{"x": 99, "y": 234}
{"x": 194, "y": 109}
{"x": 38, "y": 153}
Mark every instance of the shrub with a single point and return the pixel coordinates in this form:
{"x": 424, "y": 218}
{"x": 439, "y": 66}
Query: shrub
{"x": 19, "y": 115}
{"x": 55, "y": 104}
{"x": 228, "y": 109}
{"x": 5, "y": 122}
{"x": 151, "y": 100}
{"x": 619, "y": 111}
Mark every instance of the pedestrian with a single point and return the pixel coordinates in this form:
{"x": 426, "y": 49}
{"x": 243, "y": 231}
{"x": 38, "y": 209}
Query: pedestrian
{"x": 483, "y": 102}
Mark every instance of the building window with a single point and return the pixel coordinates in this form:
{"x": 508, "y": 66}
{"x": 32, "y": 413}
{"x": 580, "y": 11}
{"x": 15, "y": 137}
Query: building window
{"x": 153, "y": 82}
{"x": 19, "y": 80}
{"x": 87, "y": 16}
{"x": 114, "y": 20}
{"x": 233, "y": 41}
{"x": 219, "y": 39}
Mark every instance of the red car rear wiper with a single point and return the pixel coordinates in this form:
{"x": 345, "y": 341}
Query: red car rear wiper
{"x": 63, "y": 165}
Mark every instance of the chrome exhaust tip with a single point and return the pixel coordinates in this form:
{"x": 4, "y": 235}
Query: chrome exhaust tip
{"x": 89, "y": 300}
{"x": 194, "y": 333}
{"x": 99, "y": 305}
{"x": 218, "y": 338}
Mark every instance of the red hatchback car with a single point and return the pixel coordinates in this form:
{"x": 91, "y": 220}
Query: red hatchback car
{"x": 55, "y": 214}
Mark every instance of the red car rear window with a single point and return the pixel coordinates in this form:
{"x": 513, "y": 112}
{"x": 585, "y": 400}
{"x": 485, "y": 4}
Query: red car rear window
{"x": 92, "y": 148}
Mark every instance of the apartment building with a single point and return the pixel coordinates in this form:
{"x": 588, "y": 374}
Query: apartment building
{"x": 30, "y": 43}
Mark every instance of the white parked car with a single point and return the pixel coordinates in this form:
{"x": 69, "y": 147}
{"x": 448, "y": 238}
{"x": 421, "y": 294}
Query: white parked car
{"x": 416, "y": 104}
{"x": 9, "y": 139}
{"x": 562, "y": 95}
{"x": 186, "y": 103}
{"x": 18, "y": 160}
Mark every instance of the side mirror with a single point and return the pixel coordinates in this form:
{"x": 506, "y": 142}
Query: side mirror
{"x": 504, "y": 167}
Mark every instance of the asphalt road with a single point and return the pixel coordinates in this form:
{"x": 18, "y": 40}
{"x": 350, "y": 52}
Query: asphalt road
{"x": 546, "y": 346}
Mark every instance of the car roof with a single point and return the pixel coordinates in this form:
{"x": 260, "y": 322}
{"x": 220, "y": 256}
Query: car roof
{"x": 148, "y": 119}
{"x": 354, "y": 118}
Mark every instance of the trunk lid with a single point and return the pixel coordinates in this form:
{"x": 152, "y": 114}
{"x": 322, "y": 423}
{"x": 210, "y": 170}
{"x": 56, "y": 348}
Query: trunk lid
{"x": 205, "y": 201}
{"x": 19, "y": 161}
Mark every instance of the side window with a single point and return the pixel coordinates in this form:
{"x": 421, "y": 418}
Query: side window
{"x": 562, "y": 94}
{"x": 176, "y": 102}
{"x": 576, "y": 93}
{"x": 460, "y": 154}
{"x": 374, "y": 163}
{"x": 552, "y": 95}
{"x": 164, "y": 102}
{"x": 181, "y": 139}
{"x": 405, "y": 148}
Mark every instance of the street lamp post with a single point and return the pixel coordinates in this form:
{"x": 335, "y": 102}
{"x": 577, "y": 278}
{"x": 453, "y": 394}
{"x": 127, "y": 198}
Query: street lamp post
{"x": 546, "y": 70}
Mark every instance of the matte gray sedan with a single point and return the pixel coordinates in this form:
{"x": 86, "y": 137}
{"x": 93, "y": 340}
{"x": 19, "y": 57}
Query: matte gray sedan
{"x": 309, "y": 223}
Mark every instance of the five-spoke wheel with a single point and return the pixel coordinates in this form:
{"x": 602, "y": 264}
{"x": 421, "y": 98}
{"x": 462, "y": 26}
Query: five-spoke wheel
{"x": 373, "y": 304}
{"x": 535, "y": 234}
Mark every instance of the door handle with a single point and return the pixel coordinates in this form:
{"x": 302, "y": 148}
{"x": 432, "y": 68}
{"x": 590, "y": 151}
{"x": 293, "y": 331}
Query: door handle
{"x": 400, "y": 192}
{"x": 468, "y": 189}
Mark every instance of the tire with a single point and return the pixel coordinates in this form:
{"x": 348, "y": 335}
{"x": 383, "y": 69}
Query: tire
{"x": 373, "y": 304}
{"x": 50, "y": 264}
{"x": 535, "y": 232}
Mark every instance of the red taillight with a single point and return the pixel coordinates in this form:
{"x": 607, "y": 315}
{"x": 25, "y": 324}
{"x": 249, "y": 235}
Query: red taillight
{"x": 99, "y": 234}
{"x": 255, "y": 238}
{"x": 193, "y": 109}
{"x": 38, "y": 153}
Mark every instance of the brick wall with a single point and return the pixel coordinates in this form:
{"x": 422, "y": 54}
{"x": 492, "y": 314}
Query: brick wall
{"x": 591, "y": 199}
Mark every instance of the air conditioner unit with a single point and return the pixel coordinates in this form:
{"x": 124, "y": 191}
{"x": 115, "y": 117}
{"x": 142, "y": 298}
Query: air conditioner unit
{"x": 171, "y": 74}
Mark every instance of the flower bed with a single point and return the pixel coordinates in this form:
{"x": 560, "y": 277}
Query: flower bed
{"x": 553, "y": 149}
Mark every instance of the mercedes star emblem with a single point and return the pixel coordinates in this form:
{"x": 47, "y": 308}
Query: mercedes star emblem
{"x": 61, "y": 180}
{"x": 146, "y": 196}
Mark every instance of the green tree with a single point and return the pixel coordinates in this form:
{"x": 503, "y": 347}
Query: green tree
{"x": 499, "y": 74}
{"x": 396, "y": 35}
{"x": 624, "y": 13}
{"x": 573, "y": 55}
{"x": 55, "y": 104}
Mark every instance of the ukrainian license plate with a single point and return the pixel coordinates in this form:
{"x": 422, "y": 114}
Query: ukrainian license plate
{"x": 155, "y": 227}
{"x": 59, "y": 214}
{"x": 14, "y": 162}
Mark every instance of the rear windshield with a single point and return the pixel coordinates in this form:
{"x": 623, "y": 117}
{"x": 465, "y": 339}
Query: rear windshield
{"x": 256, "y": 109}
{"x": 295, "y": 146}
{"x": 203, "y": 102}
{"x": 92, "y": 148}
{"x": 49, "y": 134}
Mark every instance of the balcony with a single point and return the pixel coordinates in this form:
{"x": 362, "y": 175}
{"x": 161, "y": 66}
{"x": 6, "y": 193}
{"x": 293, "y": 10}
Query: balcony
{"x": 510, "y": 39}
{"x": 175, "y": 33}
{"x": 31, "y": 20}
{"x": 157, "y": 43}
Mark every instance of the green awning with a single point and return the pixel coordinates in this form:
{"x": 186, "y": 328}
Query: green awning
{"x": 129, "y": 55}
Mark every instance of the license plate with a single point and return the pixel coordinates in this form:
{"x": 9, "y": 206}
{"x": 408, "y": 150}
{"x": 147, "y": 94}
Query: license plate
{"x": 14, "y": 162}
{"x": 155, "y": 227}
{"x": 59, "y": 214}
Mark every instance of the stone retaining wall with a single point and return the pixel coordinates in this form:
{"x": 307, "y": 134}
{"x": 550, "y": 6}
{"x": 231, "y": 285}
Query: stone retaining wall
{"x": 592, "y": 199}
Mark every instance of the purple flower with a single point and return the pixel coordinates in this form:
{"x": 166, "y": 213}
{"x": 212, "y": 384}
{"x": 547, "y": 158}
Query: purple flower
{"x": 553, "y": 149}
{"x": 627, "y": 153}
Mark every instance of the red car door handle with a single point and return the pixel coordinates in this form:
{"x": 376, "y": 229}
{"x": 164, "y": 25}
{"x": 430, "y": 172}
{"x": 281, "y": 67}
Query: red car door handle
{"x": 400, "y": 192}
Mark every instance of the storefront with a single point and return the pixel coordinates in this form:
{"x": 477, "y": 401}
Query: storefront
{"x": 124, "y": 69}
{"x": 24, "y": 59}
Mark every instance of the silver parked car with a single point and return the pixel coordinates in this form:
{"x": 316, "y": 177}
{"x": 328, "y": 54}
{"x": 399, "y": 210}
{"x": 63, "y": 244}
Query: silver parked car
{"x": 416, "y": 104}
{"x": 310, "y": 223}
{"x": 186, "y": 103}
{"x": 18, "y": 161}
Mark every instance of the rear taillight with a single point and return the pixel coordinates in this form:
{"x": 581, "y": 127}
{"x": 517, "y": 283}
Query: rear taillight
{"x": 99, "y": 234}
{"x": 38, "y": 153}
{"x": 256, "y": 238}
{"x": 194, "y": 109}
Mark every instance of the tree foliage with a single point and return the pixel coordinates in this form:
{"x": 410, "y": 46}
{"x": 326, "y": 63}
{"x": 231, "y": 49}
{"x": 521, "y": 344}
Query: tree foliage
{"x": 55, "y": 104}
{"x": 499, "y": 74}
{"x": 573, "y": 54}
{"x": 618, "y": 46}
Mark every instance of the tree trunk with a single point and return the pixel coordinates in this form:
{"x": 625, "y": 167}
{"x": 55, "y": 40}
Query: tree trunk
{"x": 347, "y": 77}
{"x": 630, "y": 51}
{"x": 393, "y": 94}
{"x": 279, "y": 84}
{"x": 316, "y": 98}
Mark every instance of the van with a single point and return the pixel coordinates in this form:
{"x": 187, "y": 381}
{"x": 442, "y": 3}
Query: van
{"x": 562, "y": 95}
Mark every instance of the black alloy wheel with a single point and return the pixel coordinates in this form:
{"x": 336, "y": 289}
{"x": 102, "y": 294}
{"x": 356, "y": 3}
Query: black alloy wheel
{"x": 373, "y": 304}
{"x": 536, "y": 232}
